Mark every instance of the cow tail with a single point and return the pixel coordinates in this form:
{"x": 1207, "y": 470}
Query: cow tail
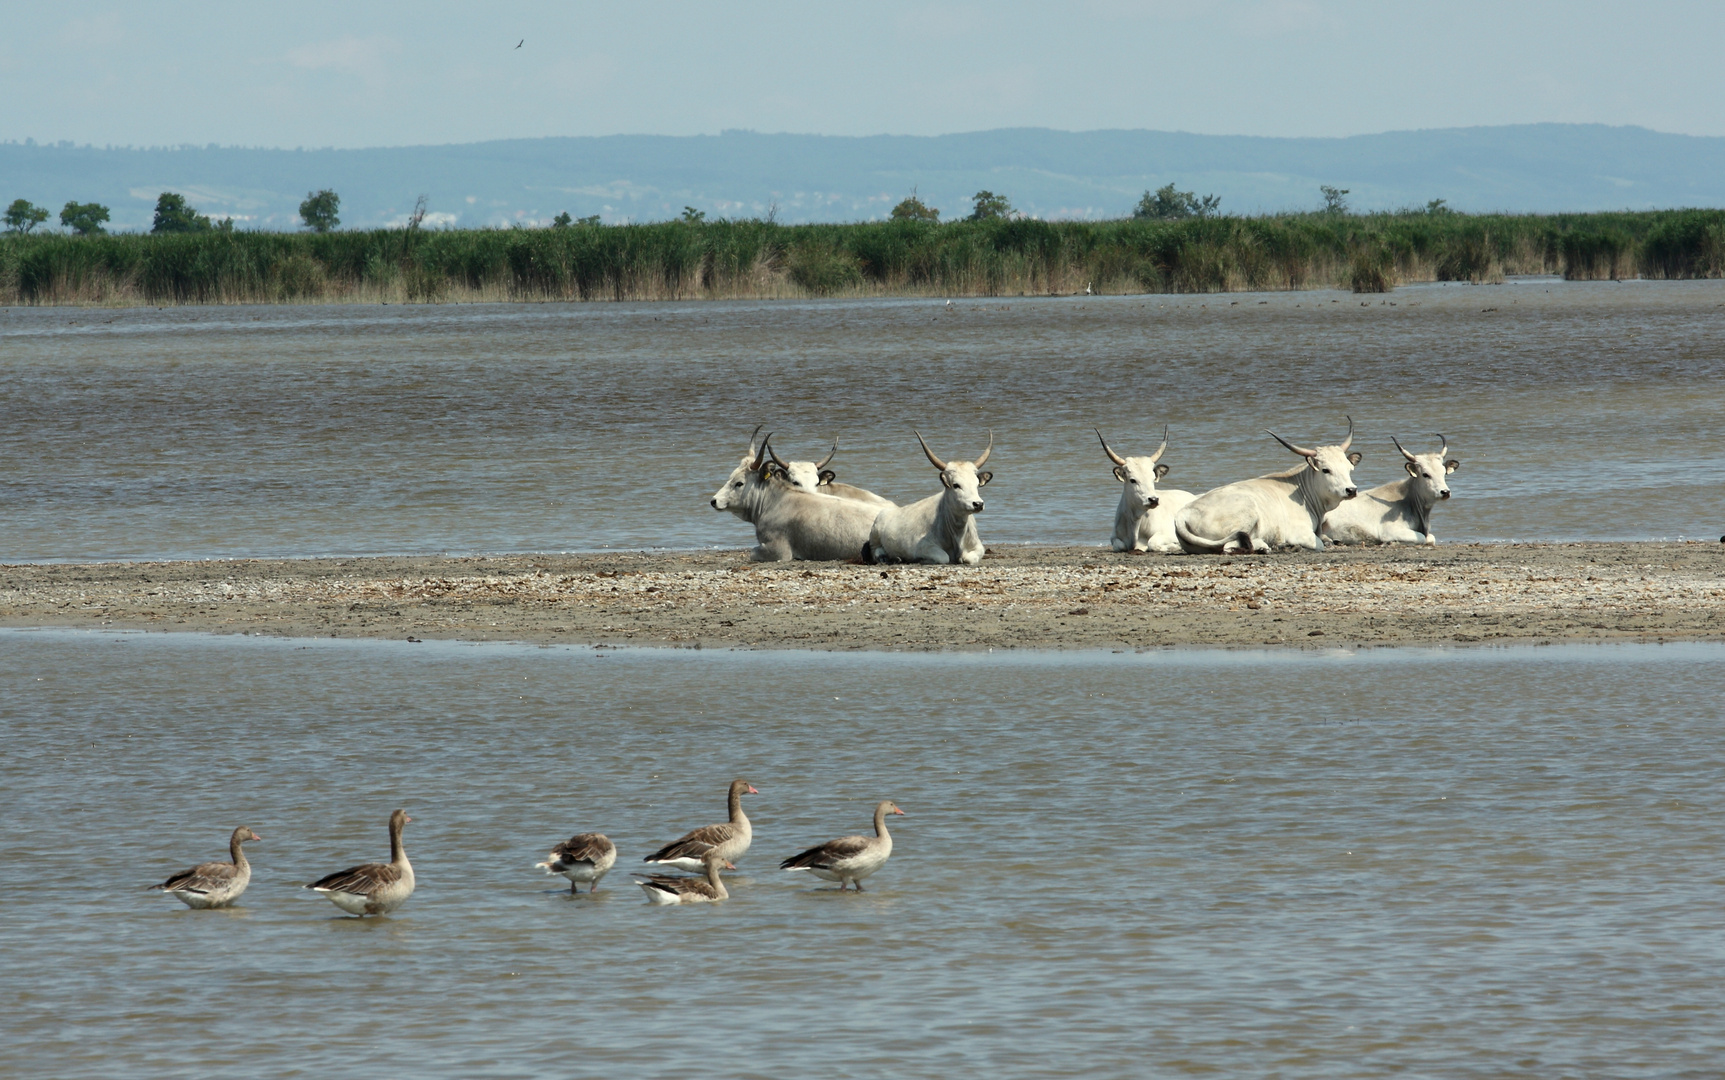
{"x": 1198, "y": 545}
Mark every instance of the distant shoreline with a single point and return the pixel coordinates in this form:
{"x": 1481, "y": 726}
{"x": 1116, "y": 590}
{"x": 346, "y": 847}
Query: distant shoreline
{"x": 752, "y": 259}
{"x": 1031, "y": 597}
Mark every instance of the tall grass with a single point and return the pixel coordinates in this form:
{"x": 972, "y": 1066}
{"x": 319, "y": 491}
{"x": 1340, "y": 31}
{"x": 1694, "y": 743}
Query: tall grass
{"x": 745, "y": 258}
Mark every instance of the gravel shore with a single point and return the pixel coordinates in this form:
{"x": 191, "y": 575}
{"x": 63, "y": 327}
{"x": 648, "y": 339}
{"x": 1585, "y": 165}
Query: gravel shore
{"x": 1027, "y": 597}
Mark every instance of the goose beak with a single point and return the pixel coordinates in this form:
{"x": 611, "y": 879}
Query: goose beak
{"x": 753, "y": 790}
{"x": 901, "y": 813}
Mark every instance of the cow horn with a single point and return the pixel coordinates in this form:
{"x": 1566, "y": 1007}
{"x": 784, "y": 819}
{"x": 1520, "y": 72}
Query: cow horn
{"x": 1164, "y": 446}
{"x": 1350, "y": 439}
{"x": 939, "y": 464}
{"x": 1402, "y": 448}
{"x": 1112, "y": 456}
{"x": 752, "y": 437}
{"x": 761, "y": 455}
{"x": 978, "y": 462}
{"x": 1300, "y": 450}
{"x": 768, "y": 446}
{"x": 1445, "y": 442}
{"x": 822, "y": 463}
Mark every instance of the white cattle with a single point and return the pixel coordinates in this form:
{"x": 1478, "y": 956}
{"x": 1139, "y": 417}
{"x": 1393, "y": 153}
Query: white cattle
{"x": 790, "y": 523}
{"x": 816, "y": 477}
{"x": 1279, "y": 510}
{"x": 940, "y": 528}
{"x": 1399, "y": 512}
{"x": 1144, "y": 520}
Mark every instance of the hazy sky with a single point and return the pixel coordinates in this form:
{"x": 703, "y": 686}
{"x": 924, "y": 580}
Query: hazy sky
{"x": 319, "y": 73}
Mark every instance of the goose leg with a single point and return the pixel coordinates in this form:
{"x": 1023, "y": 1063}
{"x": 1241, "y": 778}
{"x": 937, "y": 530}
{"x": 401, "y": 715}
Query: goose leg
{"x": 858, "y": 884}
{"x": 574, "y": 886}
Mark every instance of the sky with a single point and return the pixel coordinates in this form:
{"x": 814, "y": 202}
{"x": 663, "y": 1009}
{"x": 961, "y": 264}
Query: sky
{"x": 325, "y": 74}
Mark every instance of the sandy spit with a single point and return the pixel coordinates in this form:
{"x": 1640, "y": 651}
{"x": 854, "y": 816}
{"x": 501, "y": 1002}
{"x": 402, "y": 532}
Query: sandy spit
{"x": 1027, "y": 597}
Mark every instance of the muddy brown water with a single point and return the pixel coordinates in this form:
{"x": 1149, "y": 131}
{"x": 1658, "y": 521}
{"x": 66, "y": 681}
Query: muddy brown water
{"x": 1578, "y": 410}
{"x": 1456, "y": 863}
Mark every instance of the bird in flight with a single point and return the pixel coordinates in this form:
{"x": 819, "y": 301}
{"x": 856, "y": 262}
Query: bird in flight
{"x": 520, "y": 43}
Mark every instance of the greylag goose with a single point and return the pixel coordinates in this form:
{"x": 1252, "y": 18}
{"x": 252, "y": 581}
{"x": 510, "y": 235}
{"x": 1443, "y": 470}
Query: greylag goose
{"x": 585, "y": 857}
{"x": 214, "y": 884}
{"x": 669, "y": 889}
{"x": 730, "y": 840}
{"x": 373, "y": 888}
{"x": 849, "y": 858}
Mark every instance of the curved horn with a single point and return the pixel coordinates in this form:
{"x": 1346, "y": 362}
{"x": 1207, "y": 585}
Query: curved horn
{"x": 1112, "y": 456}
{"x": 1164, "y": 446}
{"x": 753, "y": 436}
{"x": 1300, "y": 450}
{"x": 1402, "y": 448}
{"x": 1350, "y": 439}
{"x": 1445, "y": 442}
{"x": 978, "y": 462}
{"x": 939, "y": 464}
{"x": 761, "y": 455}
{"x": 822, "y": 463}
{"x": 768, "y": 447}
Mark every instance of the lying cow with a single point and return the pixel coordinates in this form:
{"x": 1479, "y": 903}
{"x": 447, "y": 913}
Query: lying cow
{"x": 816, "y": 477}
{"x": 940, "y": 528}
{"x": 1279, "y": 510}
{"x": 1399, "y": 512}
{"x": 791, "y": 523}
{"x": 1144, "y": 520}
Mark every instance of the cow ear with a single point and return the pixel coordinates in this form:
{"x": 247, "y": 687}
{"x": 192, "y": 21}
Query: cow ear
{"x": 1120, "y": 473}
{"x": 944, "y": 481}
{"x": 1354, "y": 458}
{"x": 1451, "y": 466}
{"x": 1161, "y": 471}
{"x": 1413, "y": 470}
{"x": 982, "y": 478}
{"x": 828, "y": 476}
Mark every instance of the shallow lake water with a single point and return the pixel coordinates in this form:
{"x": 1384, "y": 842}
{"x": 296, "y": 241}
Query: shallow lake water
{"x": 1445, "y": 863}
{"x": 1586, "y": 410}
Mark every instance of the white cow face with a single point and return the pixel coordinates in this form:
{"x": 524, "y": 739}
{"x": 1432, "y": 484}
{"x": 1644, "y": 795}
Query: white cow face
{"x": 965, "y": 483}
{"x": 1430, "y": 473}
{"x": 806, "y": 475}
{"x": 749, "y": 474}
{"x": 1335, "y": 468}
{"x": 1140, "y": 474}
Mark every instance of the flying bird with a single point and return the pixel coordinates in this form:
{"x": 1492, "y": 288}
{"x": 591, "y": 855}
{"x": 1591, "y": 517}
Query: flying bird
{"x": 520, "y": 43}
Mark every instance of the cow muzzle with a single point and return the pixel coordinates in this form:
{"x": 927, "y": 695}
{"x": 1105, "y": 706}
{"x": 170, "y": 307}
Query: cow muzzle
{"x": 1443, "y": 494}
{"x": 1350, "y": 493}
{"x": 714, "y": 502}
{"x": 976, "y": 507}
{"x": 1152, "y": 502}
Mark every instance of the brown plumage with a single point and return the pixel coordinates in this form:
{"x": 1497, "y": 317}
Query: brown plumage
{"x": 214, "y": 884}
{"x": 849, "y": 859}
{"x": 373, "y": 888}
{"x": 584, "y": 857}
{"x": 669, "y": 889}
{"x": 730, "y": 839}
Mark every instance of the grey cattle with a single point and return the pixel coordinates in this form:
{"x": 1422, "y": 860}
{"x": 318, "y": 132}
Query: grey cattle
{"x": 940, "y": 528}
{"x": 1399, "y": 512}
{"x": 1144, "y": 519}
{"x": 1278, "y": 510}
{"x": 816, "y": 477}
{"x": 790, "y": 523}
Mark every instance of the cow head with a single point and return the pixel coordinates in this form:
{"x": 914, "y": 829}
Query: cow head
{"x": 749, "y": 474}
{"x": 960, "y": 478}
{"x": 1429, "y": 471}
{"x": 1139, "y": 474}
{"x": 807, "y": 475}
{"x": 1332, "y": 467}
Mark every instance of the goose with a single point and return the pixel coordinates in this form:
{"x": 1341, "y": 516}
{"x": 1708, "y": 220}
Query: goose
{"x": 373, "y": 888}
{"x": 730, "y": 840}
{"x": 214, "y": 884}
{"x": 669, "y": 889}
{"x": 849, "y": 858}
{"x": 584, "y": 857}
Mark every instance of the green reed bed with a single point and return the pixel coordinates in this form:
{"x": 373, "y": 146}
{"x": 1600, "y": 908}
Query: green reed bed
{"x": 746, "y": 258}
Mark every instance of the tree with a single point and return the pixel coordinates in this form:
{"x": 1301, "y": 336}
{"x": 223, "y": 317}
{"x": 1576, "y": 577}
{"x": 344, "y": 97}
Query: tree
{"x": 1334, "y": 203}
{"x": 562, "y": 221}
{"x": 914, "y": 209}
{"x": 694, "y": 216}
{"x": 1438, "y": 206}
{"x": 1170, "y": 205}
{"x": 85, "y": 219}
{"x": 591, "y": 220}
{"x": 319, "y": 210}
{"x": 174, "y": 216}
{"x": 23, "y": 215}
{"x": 990, "y": 206}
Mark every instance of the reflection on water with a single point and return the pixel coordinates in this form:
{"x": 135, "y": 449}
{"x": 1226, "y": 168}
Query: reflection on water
{"x": 1350, "y": 863}
{"x": 1579, "y": 410}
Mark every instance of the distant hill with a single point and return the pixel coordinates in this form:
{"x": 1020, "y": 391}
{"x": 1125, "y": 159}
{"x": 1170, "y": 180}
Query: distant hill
{"x": 1050, "y": 174}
